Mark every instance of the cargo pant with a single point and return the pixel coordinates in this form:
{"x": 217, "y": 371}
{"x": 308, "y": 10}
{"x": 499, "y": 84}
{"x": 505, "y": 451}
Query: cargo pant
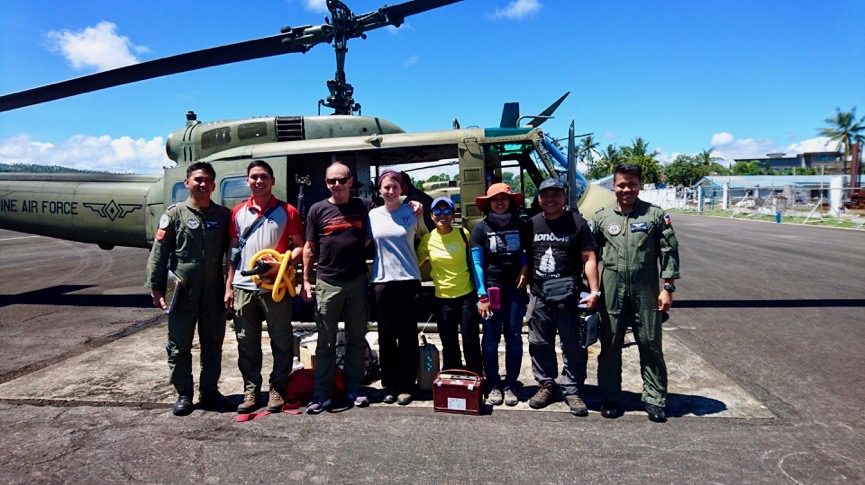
{"x": 546, "y": 320}
{"x": 251, "y": 308}
{"x": 204, "y": 307}
{"x": 335, "y": 299}
{"x": 625, "y": 305}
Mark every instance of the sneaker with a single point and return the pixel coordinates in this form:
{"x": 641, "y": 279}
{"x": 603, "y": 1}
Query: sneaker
{"x": 578, "y": 407}
{"x": 213, "y": 401}
{"x": 545, "y": 396}
{"x": 404, "y": 397}
{"x": 317, "y": 405}
{"x": 275, "y": 401}
{"x": 358, "y": 397}
{"x": 389, "y": 396}
{"x": 183, "y": 406}
{"x": 496, "y": 397}
{"x": 511, "y": 398}
{"x": 250, "y": 403}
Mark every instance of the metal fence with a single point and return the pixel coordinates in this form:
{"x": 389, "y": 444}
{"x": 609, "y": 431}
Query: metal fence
{"x": 810, "y": 204}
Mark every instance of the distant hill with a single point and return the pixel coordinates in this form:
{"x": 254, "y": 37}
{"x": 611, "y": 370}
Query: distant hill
{"x": 33, "y": 168}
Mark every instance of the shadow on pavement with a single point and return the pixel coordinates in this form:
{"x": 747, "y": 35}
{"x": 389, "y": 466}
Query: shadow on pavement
{"x": 797, "y": 303}
{"x": 57, "y": 295}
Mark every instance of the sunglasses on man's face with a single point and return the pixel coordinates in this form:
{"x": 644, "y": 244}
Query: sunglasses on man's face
{"x": 447, "y": 212}
{"x": 340, "y": 181}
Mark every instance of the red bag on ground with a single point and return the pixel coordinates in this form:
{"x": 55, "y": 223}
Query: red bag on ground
{"x": 301, "y": 384}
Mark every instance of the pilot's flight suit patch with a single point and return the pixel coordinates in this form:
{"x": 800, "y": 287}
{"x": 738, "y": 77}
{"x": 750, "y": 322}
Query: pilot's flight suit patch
{"x": 639, "y": 227}
{"x": 160, "y": 234}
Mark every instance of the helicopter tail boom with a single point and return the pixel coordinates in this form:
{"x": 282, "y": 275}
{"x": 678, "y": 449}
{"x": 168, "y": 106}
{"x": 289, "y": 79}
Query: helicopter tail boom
{"x": 106, "y": 209}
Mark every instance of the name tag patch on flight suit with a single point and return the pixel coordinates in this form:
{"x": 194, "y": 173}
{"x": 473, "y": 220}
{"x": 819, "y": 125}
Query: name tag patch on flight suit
{"x": 193, "y": 223}
{"x": 614, "y": 229}
{"x": 164, "y": 221}
{"x": 211, "y": 224}
{"x": 639, "y": 227}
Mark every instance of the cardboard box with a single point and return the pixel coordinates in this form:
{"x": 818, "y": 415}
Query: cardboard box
{"x": 458, "y": 392}
{"x": 307, "y": 356}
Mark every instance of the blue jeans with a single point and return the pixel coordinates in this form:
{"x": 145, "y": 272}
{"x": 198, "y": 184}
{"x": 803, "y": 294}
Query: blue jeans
{"x": 507, "y": 320}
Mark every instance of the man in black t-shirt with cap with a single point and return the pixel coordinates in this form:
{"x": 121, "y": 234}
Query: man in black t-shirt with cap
{"x": 562, "y": 250}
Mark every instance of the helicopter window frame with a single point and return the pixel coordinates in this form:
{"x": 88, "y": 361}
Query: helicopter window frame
{"x": 256, "y": 129}
{"x": 233, "y": 190}
{"x": 179, "y": 192}
{"x": 216, "y": 137}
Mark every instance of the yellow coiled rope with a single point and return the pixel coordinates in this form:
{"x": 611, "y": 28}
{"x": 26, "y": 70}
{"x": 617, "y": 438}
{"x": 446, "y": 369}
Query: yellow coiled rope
{"x": 285, "y": 279}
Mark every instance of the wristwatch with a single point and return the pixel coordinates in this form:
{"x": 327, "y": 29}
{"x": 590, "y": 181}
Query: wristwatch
{"x": 596, "y": 293}
{"x": 670, "y": 287}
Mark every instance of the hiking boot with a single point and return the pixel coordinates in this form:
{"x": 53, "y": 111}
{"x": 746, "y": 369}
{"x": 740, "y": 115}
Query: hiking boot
{"x": 358, "y": 397}
{"x": 656, "y": 413}
{"x": 250, "y": 403}
{"x": 275, "y": 402}
{"x": 545, "y": 396}
{"x": 183, "y": 406}
{"x": 404, "y": 397}
{"x": 511, "y": 398}
{"x": 317, "y": 405}
{"x": 389, "y": 396}
{"x": 578, "y": 407}
{"x": 213, "y": 401}
{"x": 496, "y": 398}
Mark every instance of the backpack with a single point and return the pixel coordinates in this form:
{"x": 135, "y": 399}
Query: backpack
{"x": 373, "y": 368}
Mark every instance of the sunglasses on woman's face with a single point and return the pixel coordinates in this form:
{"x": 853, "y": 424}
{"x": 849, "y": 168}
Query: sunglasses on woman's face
{"x": 340, "y": 181}
{"x": 447, "y": 212}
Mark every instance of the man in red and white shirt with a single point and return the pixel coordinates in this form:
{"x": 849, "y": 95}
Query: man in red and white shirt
{"x": 282, "y": 230}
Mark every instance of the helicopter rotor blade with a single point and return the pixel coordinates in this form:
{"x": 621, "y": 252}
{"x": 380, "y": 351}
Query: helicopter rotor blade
{"x": 547, "y": 113}
{"x": 291, "y": 40}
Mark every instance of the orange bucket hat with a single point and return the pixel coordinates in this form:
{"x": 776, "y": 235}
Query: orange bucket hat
{"x": 496, "y": 189}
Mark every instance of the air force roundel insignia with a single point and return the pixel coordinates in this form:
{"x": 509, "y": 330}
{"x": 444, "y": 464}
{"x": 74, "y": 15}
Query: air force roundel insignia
{"x": 164, "y": 221}
{"x": 193, "y": 223}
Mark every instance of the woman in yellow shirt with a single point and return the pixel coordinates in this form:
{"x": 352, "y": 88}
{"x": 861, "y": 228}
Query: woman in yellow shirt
{"x": 448, "y": 252}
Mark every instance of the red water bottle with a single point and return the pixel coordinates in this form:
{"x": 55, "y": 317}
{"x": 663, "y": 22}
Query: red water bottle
{"x": 495, "y": 295}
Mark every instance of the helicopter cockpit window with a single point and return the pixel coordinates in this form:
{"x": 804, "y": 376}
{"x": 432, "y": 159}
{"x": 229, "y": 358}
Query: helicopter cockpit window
{"x": 252, "y": 130}
{"x": 234, "y": 190}
{"x": 560, "y": 163}
{"x": 216, "y": 137}
{"x": 179, "y": 192}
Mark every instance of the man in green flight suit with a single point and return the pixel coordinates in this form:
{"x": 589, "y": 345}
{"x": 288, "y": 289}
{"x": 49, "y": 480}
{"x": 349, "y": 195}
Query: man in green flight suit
{"x": 634, "y": 239}
{"x": 191, "y": 242}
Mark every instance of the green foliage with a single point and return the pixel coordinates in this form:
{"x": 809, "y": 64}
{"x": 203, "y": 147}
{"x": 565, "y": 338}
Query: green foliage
{"x": 798, "y": 171}
{"x": 605, "y": 164}
{"x": 688, "y": 170}
{"x": 747, "y": 168}
{"x": 33, "y": 168}
{"x": 638, "y": 154}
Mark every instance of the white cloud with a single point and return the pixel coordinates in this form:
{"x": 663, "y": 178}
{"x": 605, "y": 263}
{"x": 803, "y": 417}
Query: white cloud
{"x": 518, "y": 9}
{"x": 98, "y": 47}
{"x": 315, "y": 5}
{"x": 86, "y": 152}
{"x": 723, "y": 138}
{"x": 399, "y": 30}
{"x": 817, "y": 144}
{"x": 411, "y": 61}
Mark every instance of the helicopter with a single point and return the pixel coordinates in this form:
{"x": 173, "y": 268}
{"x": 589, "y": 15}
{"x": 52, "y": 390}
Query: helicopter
{"x": 123, "y": 210}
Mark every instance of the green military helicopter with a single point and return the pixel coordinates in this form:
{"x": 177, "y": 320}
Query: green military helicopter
{"x": 123, "y": 210}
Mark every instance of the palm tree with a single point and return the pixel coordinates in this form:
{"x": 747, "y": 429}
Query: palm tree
{"x": 705, "y": 157}
{"x": 588, "y": 149}
{"x": 638, "y": 154}
{"x": 845, "y": 130}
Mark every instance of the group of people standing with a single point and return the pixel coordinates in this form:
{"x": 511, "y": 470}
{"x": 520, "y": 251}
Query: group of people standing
{"x": 484, "y": 278}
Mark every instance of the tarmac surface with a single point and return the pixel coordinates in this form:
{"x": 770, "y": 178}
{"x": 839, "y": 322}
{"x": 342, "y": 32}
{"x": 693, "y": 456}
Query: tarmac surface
{"x": 765, "y": 346}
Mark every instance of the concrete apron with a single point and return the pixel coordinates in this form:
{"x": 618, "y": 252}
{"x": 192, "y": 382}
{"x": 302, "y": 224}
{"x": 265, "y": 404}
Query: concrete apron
{"x": 132, "y": 372}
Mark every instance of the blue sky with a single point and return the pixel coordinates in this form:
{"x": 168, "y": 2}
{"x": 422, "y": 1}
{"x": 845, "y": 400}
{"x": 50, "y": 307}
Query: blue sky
{"x": 745, "y": 78}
